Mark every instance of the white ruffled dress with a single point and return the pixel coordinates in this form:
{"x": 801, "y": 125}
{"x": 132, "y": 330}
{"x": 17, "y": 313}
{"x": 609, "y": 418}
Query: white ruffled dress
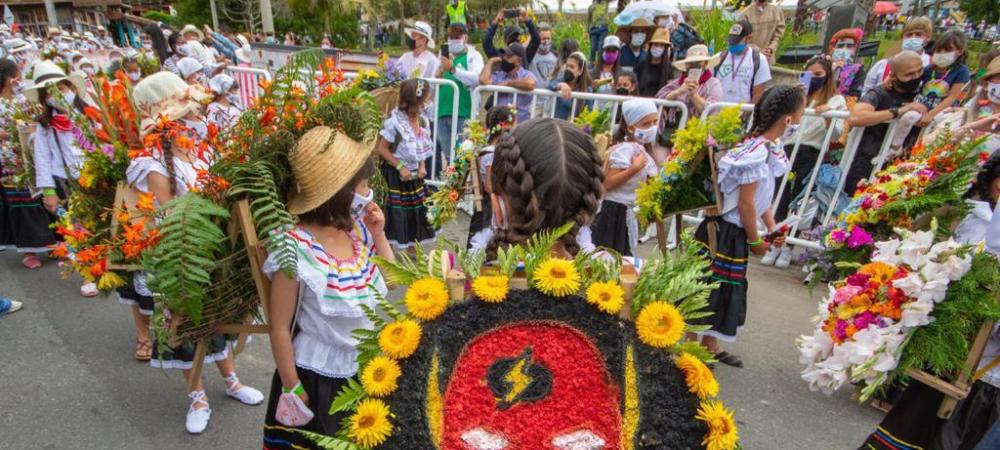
{"x": 756, "y": 160}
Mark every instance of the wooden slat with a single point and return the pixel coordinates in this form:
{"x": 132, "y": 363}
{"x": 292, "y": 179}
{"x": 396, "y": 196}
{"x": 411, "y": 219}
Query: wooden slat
{"x": 197, "y": 365}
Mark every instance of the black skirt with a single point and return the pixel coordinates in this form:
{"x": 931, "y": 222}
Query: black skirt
{"x": 728, "y": 303}
{"x": 912, "y": 423}
{"x": 182, "y": 356}
{"x": 972, "y": 418}
{"x": 24, "y": 222}
{"x": 406, "y": 221}
{"x": 127, "y": 295}
{"x": 321, "y": 390}
{"x": 610, "y": 228}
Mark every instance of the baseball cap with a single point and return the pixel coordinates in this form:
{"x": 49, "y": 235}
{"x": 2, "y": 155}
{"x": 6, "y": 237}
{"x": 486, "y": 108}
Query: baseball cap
{"x": 458, "y": 26}
{"x": 511, "y": 31}
{"x": 739, "y": 30}
{"x": 612, "y": 41}
{"x": 515, "y": 48}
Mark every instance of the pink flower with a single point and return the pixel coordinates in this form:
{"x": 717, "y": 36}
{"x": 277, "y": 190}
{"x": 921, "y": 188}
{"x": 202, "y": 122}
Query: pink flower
{"x": 858, "y": 279}
{"x": 845, "y": 294}
{"x": 861, "y": 321}
{"x": 859, "y": 238}
{"x": 840, "y": 329}
{"x": 866, "y": 203}
{"x": 838, "y": 235}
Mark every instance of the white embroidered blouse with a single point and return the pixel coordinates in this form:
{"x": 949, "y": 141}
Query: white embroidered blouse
{"x": 755, "y": 160}
{"x": 410, "y": 148}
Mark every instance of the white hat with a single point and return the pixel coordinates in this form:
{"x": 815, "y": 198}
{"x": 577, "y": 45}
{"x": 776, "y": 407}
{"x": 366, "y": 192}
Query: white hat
{"x": 244, "y": 53}
{"x": 85, "y": 61}
{"x": 612, "y": 41}
{"x": 46, "y": 73}
{"x": 634, "y": 110}
{"x": 164, "y": 93}
{"x": 188, "y": 66}
{"x": 221, "y": 83}
{"x": 101, "y": 28}
{"x": 88, "y": 34}
{"x": 696, "y": 54}
{"x": 422, "y": 28}
{"x": 16, "y": 45}
{"x": 192, "y": 29}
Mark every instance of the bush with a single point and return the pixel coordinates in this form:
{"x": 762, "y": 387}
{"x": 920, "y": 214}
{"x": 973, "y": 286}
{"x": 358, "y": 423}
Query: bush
{"x": 160, "y": 16}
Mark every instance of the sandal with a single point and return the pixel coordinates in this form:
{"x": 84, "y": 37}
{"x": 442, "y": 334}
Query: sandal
{"x": 143, "y": 350}
{"x": 729, "y": 359}
{"x": 31, "y": 261}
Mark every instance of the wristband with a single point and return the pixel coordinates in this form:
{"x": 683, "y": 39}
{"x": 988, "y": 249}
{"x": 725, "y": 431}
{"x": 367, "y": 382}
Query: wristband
{"x": 49, "y": 191}
{"x": 297, "y": 390}
{"x": 399, "y": 166}
{"x": 759, "y": 241}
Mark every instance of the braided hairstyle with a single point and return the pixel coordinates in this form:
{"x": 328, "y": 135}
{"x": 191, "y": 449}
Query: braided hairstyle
{"x": 776, "y": 103}
{"x": 168, "y": 162}
{"x": 549, "y": 173}
{"x": 984, "y": 181}
{"x": 496, "y": 116}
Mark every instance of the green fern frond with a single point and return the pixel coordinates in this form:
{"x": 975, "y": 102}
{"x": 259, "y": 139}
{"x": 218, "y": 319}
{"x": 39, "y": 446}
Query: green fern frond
{"x": 326, "y": 442}
{"x": 347, "y": 399}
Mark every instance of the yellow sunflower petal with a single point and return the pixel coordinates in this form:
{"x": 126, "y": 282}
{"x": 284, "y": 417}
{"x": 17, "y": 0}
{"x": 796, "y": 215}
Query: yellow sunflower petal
{"x": 660, "y": 324}
{"x": 722, "y": 433}
{"x": 380, "y": 376}
{"x": 699, "y": 378}
{"x": 557, "y": 277}
{"x": 607, "y": 296}
{"x": 427, "y": 298}
{"x": 370, "y": 424}
{"x": 491, "y": 288}
{"x": 400, "y": 339}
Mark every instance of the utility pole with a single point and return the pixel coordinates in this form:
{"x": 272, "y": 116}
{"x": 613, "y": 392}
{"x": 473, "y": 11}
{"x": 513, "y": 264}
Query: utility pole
{"x": 267, "y": 21}
{"x": 215, "y": 15}
{"x": 50, "y": 11}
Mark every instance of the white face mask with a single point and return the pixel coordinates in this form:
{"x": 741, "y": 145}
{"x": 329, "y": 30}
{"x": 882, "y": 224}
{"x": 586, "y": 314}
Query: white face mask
{"x": 645, "y": 135}
{"x": 147, "y": 46}
{"x": 913, "y": 44}
{"x": 657, "y": 52}
{"x": 456, "y": 46}
{"x": 638, "y": 39}
{"x": 667, "y": 23}
{"x": 233, "y": 98}
{"x": 134, "y": 76}
{"x": 993, "y": 93}
{"x": 359, "y": 202}
{"x": 89, "y": 71}
{"x": 68, "y": 97}
{"x": 198, "y": 126}
{"x": 945, "y": 59}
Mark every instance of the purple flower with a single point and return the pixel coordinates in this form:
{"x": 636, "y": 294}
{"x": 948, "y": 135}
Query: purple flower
{"x": 859, "y": 238}
{"x": 841, "y": 329}
{"x": 108, "y": 150}
{"x": 858, "y": 279}
{"x": 711, "y": 142}
{"x": 861, "y": 321}
{"x": 838, "y": 235}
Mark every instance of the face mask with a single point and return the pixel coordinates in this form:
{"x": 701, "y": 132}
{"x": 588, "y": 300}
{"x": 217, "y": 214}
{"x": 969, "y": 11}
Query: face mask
{"x": 913, "y": 44}
{"x": 609, "y": 57}
{"x": 427, "y": 108}
{"x": 667, "y": 23}
{"x": 70, "y": 97}
{"x": 638, "y": 39}
{"x": 545, "y": 47}
{"x": 89, "y": 71}
{"x": 359, "y": 202}
{"x": 994, "y": 93}
{"x": 147, "y": 46}
{"x": 736, "y": 49}
{"x": 135, "y": 76}
{"x": 645, "y": 135}
{"x": 790, "y": 131}
{"x": 842, "y": 54}
{"x": 568, "y": 76}
{"x": 944, "y": 59}
{"x": 622, "y": 91}
{"x": 816, "y": 83}
{"x": 411, "y": 44}
{"x": 657, "y": 52}
{"x": 198, "y": 127}
{"x": 506, "y": 66}
{"x": 907, "y": 87}
{"x": 233, "y": 98}
{"x": 456, "y": 47}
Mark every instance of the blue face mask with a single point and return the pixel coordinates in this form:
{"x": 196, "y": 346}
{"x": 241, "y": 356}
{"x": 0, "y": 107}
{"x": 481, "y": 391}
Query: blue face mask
{"x": 737, "y": 49}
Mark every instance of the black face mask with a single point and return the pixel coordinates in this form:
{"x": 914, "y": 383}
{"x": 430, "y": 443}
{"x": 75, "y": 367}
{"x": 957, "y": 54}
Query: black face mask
{"x": 411, "y": 44}
{"x": 622, "y": 91}
{"x": 506, "y": 66}
{"x": 907, "y": 87}
{"x": 816, "y": 83}
{"x": 568, "y": 76}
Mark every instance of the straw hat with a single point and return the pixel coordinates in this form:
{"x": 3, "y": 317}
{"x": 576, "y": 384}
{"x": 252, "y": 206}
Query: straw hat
{"x": 660, "y": 36}
{"x": 166, "y": 94}
{"x": 993, "y": 68}
{"x": 192, "y": 29}
{"x": 54, "y": 31}
{"x": 46, "y": 73}
{"x": 696, "y": 54}
{"x": 323, "y": 162}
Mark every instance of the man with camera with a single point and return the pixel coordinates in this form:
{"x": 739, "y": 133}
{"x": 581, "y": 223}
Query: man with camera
{"x": 512, "y": 34}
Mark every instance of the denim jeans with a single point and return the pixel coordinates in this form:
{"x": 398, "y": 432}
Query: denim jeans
{"x": 597, "y": 35}
{"x": 443, "y": 137}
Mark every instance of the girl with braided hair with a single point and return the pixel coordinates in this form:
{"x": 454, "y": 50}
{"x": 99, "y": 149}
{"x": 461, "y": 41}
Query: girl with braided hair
{"x": 629, "y": 163}
{"x": 499, "y": 119}
{"x": 545, "y": 173}
{"x": 404, "y": 144}
{"x": 746, "y": 180}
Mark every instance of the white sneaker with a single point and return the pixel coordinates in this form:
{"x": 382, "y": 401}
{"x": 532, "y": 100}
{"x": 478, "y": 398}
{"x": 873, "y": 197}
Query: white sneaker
{"x": 197, "y": 419}
{"x": 650, "y": 234}
{"x": 89, "y": 290}
{"x": 785, "y": 258}
{"x": 245, "y": 394}
{"x": 769, "y": 257}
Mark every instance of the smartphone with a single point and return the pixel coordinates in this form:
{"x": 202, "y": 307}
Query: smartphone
{"x": 694, "y": 73}
{"x": 444, "y": 51}
{"x": 511, "y": 13}
{"x": 805, "y": 80}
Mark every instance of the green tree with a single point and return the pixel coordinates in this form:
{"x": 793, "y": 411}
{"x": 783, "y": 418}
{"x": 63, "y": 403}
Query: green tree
{"x": 988, "y": 10}
{"x": 195, "y": 12}
{"x": 161, "y": 16}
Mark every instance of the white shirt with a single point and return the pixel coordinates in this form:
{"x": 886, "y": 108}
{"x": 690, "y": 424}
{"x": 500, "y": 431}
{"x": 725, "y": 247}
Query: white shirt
{"x": 423, "y": 66}
{"x": 56, "y": 156}
{"x": 185, "y": 173}
{"x": 410, "y": 148}
{"x": 620, "y": 157}
{"x": 814, "y": 128}
{"x": 474, "y": 66}
{"x": 974, "y": 227}
{"x": 754, "y": 161}
{"x": 736, "y": 86}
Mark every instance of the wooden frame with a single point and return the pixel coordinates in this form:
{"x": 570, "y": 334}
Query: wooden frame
{"x": 241, "y": 224}
{"x": 960, "y": 385}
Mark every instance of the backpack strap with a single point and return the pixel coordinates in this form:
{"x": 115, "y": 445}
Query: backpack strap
{"x": 756, "y": 66}
{"x": 722, "y": 60}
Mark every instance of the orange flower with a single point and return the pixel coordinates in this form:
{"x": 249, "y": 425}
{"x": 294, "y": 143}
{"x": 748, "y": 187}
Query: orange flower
{"x": 98, "y": 269}
{"x": 123, "y": 216}
{"x": 145, "y": 203}
{"x": 453, "y": 196}
{"x": 92, "y": 113}
{"x": 60, "y": 250}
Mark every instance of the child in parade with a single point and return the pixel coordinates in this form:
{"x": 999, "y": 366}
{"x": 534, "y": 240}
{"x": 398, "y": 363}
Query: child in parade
{"x": 629, "y": 163}
{"x": 313, "y": 314}
{"x": 498, "y": 120}
{"x": 746, "y": 177}
{"x": 57, "y": 154}
{"x": 167, "y": 176}
{"x": 404, "y": 144}
{"x": 225, "y": 108}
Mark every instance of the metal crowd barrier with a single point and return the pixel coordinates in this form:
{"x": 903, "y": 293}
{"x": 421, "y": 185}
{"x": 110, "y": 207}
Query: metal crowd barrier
{"x": 249, "y": 80}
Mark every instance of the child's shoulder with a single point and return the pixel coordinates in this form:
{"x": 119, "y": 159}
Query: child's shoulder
{"x": 750, "y": 150}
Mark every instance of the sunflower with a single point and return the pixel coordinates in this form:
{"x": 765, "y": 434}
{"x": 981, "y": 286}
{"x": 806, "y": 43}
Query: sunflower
{"x": 722, "y": 433}
{"x": 370, "y": 425}
{"x": 557, "y": 277}
{"x": 380, "y": 376}
{"x": 491, "y": 288}
{"x": 699, "y": 378}
{"x": 400, "y": 339}
{"x": 607, "y": 296}
{"x": 427, "y": 298}
{"x": 660, "y": 324}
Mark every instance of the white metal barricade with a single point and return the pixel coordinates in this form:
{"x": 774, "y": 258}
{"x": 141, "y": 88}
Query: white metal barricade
{"x": 249, "y": 80}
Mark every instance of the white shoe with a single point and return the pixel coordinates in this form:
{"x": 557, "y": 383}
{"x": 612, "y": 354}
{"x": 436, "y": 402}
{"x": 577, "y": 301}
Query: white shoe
{"x": 785, "y": 258}
{"x": 197, "y": 419}
{"x": 650, "y": 234}
{"x": 769, "y": 257}
{"x": 245, "y": 394}
{"x": 89, "y": 290}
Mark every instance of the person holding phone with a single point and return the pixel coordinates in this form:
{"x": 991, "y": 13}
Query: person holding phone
{"x": 696, "y": 86}
{"x": 462, "y": 64}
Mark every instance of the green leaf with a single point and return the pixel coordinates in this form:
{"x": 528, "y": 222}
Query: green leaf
{"x": 347, "y": 399}
{"x": 694, "y": 349}
{"x": 327, "y": 442}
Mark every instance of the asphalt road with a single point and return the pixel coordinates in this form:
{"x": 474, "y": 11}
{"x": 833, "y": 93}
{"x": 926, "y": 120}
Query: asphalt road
{"x": 68, "y": 380}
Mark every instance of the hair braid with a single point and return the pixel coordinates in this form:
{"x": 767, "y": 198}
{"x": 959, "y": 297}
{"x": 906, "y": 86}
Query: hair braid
{"x": 168, "y": 161}
{"x": 777, "y": 102}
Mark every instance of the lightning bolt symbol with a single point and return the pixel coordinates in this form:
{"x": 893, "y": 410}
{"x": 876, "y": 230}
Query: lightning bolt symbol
{"x": 519, "y": 380}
